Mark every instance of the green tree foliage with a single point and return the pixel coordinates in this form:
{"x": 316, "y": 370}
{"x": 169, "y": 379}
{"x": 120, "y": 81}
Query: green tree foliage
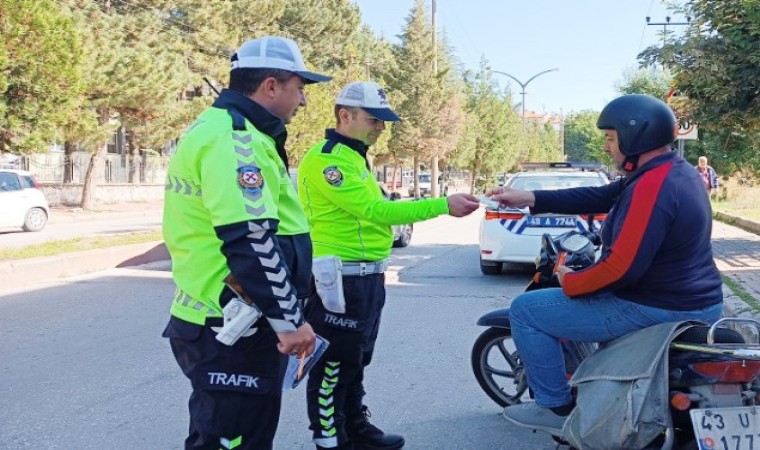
{"x": 728, "y": 151}
{"x": 77, "y": 70}
{"x": 136, "y": 76}
{"x": 715, "y": 67}
{"x": 647, "y": 80}
{"x": 540, "y": 142}
{"x": 429, "y": 103}
{"x": 491, "y": 143}
{"x": 716, "y": 62}
{"x": 40, "y": 57}
{"x": 323, "y": 30}
{"x": 583, "y": 140}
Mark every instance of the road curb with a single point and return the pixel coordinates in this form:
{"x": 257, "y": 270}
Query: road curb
{"x": 19, "y": 272}
{"x": 744, "y": 224}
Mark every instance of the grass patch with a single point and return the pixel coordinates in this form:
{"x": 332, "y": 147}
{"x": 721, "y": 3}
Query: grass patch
{"x": 78, "y": 244}
{"x": 741, "y": 293}
{"x": 740, "y": 200}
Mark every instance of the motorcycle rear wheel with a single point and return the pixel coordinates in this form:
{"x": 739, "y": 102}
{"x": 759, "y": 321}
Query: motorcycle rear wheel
{"x": 498, "y": 367}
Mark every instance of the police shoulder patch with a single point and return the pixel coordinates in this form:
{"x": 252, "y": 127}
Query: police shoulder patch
{"x": 333, "y": 175}
{"x": 250, "y": 179}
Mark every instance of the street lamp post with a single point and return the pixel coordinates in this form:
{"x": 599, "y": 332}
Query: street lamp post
{"x": 524, "y": 85}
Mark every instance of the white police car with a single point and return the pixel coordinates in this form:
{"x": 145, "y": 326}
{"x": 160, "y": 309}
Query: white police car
{"x": 511, "y": 235}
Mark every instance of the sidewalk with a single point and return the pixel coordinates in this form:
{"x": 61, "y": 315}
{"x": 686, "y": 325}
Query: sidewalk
{"x": 737, "y": 255}
{"x": 62, "y": 214}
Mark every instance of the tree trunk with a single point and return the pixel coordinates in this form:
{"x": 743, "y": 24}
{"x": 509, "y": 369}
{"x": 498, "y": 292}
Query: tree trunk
{"x": 68, "y": 164}
{"x": 94, "y": 170}
{"x": 143, "y": 166}
{"x": 416, "y": 177}
{"x": 434, "y": 191}
{"x": 131, "y": 157}
{"x": 473, "y": 176}
{"x": 93, "y": 175}
{"x": 394, "y": 177}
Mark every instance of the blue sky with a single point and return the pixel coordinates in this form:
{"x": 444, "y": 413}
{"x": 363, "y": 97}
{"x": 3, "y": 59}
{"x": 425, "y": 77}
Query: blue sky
{"x": 592, "y": 42}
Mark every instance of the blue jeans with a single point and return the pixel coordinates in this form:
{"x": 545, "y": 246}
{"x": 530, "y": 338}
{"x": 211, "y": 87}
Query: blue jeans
{"x": 540, "y": 318}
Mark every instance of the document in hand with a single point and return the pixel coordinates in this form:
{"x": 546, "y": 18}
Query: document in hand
{"x": 299, "y": 365}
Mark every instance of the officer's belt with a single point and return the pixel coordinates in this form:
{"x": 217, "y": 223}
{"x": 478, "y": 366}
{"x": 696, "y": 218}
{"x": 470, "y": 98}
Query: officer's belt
{"x": 364, "y": 268}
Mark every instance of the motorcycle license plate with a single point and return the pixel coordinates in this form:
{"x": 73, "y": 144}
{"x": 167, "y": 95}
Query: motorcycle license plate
{"x": 735, "y": 428}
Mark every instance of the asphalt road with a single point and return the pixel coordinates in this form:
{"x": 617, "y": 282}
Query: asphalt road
{"x": 83, "y": 364}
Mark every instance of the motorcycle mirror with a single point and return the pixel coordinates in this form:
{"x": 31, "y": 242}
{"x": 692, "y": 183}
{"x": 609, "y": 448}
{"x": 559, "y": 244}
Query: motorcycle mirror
{"x": 547, "y": 243}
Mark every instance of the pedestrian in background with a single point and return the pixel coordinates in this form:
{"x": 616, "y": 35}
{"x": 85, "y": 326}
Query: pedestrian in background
{"x": 708, "y": 175}
{"x": 350, "y": 222}
{"x": 235, "y": 229}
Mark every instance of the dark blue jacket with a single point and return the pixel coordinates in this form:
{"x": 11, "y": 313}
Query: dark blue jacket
{"x": 656, "y": 237}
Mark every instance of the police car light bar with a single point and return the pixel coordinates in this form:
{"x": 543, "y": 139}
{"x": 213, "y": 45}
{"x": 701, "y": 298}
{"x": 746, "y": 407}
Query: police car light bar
{"x": 561, "y": 165}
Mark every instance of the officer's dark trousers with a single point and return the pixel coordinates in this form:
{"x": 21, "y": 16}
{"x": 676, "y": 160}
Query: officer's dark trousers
{"x": 236, "y": 390}
{"x": 335, "y": 389}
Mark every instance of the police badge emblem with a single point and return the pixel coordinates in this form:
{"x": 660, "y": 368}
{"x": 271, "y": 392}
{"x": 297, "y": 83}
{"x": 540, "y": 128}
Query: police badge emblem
{"x": 333, "y": 175}
{"x": 250, "y": 179}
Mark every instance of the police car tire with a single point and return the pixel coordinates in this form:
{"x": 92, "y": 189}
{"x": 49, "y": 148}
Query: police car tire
{"x": 490, "y": 269}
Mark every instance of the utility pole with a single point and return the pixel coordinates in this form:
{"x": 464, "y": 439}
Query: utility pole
{"x": 562, "y": 134}
{"x": 665, "y": 25}
{"x": 434, "y": 191}
{"x": 524, "y": 85}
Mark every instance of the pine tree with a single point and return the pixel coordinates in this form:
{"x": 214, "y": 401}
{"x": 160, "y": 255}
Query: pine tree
{"x": 41, "y": 71}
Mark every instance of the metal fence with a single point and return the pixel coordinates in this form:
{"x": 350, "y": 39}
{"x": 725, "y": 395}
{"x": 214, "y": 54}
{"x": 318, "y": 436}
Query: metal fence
{"x": 50, "y": 167}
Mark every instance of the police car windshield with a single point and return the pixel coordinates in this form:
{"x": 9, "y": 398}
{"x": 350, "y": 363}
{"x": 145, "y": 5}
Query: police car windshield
{"x": 550, "y": 183}
{"x": 425, "y": 178}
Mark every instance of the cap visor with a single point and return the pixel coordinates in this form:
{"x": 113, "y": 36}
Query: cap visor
{"x": 311, "y": 77}
{"x": 384, "y": 114}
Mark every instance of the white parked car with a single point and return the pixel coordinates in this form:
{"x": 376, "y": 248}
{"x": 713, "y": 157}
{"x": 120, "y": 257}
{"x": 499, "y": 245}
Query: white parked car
{"x": 21, "y": 201}
{"x": 511, "y": 235}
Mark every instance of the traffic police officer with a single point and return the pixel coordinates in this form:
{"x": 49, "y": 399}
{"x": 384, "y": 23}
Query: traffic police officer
{"x": 234, "y": 228}
{"x": 350, "y": 219}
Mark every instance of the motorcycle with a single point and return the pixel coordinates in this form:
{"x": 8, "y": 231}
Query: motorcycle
{"x": 713, "y": 374}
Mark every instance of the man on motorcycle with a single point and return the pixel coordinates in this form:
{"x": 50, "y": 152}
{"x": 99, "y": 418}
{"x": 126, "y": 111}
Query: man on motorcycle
{"x": 656, "y": 264}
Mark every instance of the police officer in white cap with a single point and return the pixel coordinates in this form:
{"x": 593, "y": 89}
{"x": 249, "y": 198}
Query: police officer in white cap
{"x": 235, "y": 229}
{"x": 350, "y": 222}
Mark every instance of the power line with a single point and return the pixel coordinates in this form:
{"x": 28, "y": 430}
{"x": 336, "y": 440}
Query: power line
{"x": 461, "y": 26}
{"x": 644, "y": 28}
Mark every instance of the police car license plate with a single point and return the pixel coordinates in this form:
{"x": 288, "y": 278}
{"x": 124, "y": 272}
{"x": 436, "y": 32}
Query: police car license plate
{"x": 735, "y": 428}
{"x": 551, "y": 222}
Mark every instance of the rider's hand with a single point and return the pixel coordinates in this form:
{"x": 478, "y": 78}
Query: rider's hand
{"x": 298, "y": 342}
{"x": 561, "y": 271}
{"x": 512, "y": 197}
{"x": 461, "y": 205}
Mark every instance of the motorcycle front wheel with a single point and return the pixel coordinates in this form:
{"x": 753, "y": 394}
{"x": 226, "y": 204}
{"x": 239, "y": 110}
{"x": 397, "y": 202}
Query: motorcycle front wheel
{"x": 498, "y": 367}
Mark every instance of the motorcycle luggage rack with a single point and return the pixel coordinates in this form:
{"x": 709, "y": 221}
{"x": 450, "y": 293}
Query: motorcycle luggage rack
{"x": 739, "y": 351}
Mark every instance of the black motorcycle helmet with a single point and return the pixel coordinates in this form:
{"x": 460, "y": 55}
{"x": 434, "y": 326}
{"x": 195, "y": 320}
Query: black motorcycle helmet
{"x": 642, "y": 122}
